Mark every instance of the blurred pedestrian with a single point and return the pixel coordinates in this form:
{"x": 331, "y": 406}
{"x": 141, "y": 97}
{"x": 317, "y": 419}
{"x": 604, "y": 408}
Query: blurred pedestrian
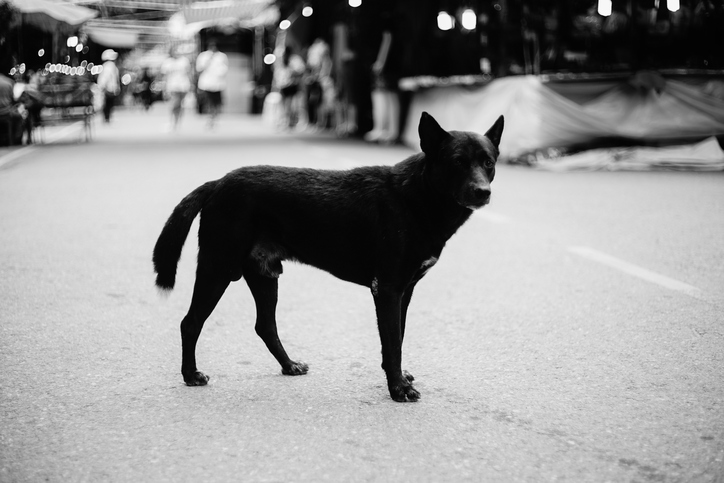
{"x": 28, "y": 96}
{"x": 346, "y": 71}
{"x": 109, "y": 81}
{"x": 11, "y": 121}
{"x": 288, "y": 72}
{"x": 177, "y": 75}
{"x": 144, "y": 89}
{"x": 212, "y": 66}
{"x": 320, "y": 87}
{"x": 385, "y": 97}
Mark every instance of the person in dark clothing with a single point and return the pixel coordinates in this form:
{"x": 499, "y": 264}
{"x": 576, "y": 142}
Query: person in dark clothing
{"x": 11, "y": 121}
{"x": 145, "y": 88}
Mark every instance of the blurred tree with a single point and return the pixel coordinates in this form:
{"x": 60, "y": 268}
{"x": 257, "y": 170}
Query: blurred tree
{"x": 9, "y": 16}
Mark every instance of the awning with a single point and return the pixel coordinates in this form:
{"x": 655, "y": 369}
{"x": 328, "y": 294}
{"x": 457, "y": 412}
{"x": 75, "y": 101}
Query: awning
{"x": 240, "y": 13}
{"x": 113, "y": 37}
{"x": 127, "y": 33}
{"x": 53, "y": 15}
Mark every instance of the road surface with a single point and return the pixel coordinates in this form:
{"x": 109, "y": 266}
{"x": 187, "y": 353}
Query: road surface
{"x": 572, "y": 331}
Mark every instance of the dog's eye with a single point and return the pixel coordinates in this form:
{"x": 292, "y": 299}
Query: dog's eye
{"x": 489, "y": 163}
{"x": 462, "y": 162}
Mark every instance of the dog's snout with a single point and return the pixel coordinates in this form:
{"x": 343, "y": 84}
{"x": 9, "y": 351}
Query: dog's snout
{"x": 481, "y": 195}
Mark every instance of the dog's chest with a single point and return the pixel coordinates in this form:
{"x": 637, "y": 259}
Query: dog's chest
{"x": 421, "y": 271}
{"x": 428, "y": 264}
{"x": 425, "y": 266}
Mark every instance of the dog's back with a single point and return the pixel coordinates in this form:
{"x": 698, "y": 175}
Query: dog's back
{"x": 333, "y": 220}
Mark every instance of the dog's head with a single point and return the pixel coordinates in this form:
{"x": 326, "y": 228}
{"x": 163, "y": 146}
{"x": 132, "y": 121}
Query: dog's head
{"x": 458, "y": 163}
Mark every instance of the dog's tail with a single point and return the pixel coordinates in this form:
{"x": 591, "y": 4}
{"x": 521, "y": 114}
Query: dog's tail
{"x": 167, "y": 251}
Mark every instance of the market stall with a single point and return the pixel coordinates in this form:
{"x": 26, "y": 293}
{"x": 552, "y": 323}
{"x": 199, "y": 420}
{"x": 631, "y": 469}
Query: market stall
{"x": 645, "y": 108}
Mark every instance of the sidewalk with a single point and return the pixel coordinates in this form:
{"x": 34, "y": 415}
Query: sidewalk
{"x": 131, "y": 124}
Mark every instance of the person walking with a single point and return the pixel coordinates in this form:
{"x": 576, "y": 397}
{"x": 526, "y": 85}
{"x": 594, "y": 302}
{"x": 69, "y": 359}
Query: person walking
{"x": 177, "y": 74}
{"x": 288, "y": 72}
{"x": 320, "y": 87}
{"x": 109, "y": 81}
{"x": 144, "y": 87}
{"x": 385, "y": 97}
{"x": 11, "y": 121}
{"x": 212, "y": 66}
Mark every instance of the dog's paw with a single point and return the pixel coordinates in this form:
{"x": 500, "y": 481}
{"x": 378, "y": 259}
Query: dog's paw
{"x": 404, "y": 392}
{"x": 197, "y": 378}
{"x": 295, "y": 369}
{"x": 408, "y": 376}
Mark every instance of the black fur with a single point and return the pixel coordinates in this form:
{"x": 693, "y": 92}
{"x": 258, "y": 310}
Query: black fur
{"x": 382, "y": 227}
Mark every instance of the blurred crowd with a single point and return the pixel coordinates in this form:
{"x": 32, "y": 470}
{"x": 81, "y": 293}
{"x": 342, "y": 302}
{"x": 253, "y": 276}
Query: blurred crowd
{"x": 309, "y": 92}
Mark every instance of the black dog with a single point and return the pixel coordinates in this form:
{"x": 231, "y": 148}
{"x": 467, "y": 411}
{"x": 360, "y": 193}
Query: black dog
{"x": 382, "y": 227}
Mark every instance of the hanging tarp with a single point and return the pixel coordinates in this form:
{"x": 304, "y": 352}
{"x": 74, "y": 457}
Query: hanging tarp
{"x": 706, "y": 155}
{"x": 53, "y": 15}
{"x": 113, "y": 37}
{"x": 199, "y": 15}
{"x": 536, "y": 117}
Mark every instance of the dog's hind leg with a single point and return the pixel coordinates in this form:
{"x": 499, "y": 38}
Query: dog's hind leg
{"x": 208, "y": 289}
{"x": 265, "y": 291}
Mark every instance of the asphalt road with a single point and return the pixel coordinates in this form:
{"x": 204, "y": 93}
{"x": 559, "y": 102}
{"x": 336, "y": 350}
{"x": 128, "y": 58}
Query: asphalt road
{"x": 572, "y": 331}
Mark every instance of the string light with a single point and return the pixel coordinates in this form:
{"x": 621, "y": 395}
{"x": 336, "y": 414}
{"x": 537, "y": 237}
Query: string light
{"x": 445, "y": 21}
{"x": 469, "y": 19}
{"x": 604, "y": 7}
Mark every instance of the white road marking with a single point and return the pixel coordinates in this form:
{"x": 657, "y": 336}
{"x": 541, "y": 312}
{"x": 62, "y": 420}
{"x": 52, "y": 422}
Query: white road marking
{"x": 13, "y": 155}
{"x": 637, "y": 271}
{"x": 58, "y": 135}
{"x": 492, "y": 216}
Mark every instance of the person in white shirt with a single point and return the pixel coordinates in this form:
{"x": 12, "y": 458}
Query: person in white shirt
{"x": 177, "y": 74}
{"x": 109, "y": 81}
{"x": 212, "y": 66}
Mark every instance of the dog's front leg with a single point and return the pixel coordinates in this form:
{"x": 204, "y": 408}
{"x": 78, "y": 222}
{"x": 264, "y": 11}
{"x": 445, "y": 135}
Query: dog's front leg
{"x": 389, "y": 304}
{"x": 406, "y": 297}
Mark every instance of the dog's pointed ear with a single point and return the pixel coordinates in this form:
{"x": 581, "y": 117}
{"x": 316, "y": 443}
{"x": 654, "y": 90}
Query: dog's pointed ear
{"x": 496, "y": 131}
{"x": 431, "y": 134}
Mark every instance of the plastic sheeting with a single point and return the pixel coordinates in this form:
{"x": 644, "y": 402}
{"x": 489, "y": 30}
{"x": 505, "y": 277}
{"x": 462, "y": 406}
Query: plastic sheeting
{"x": 119, "y": 38}
{"x": 536, "y": 117}
{"x": 53, "y": 15}
{"x": 204, "y": 14}
{"x": 706, "y": 155}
